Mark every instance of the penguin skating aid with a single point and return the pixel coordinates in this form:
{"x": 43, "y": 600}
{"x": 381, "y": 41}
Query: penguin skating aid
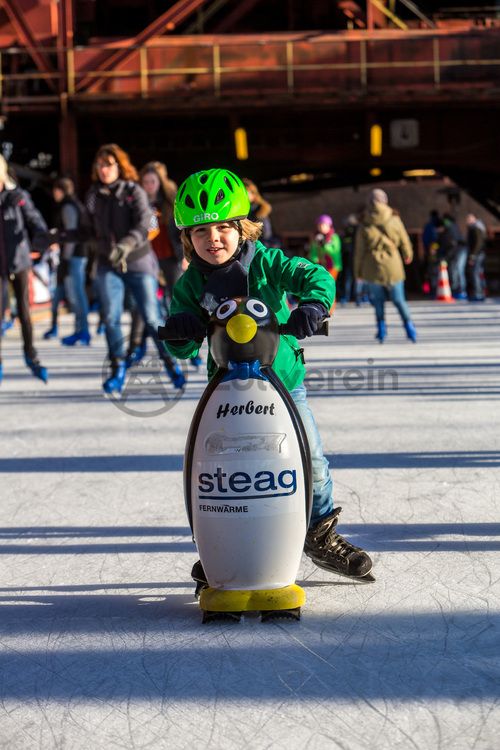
{"x": 247, "y": 474}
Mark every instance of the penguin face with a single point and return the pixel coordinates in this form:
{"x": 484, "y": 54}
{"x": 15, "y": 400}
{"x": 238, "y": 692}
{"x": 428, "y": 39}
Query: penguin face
{"x": 243, "y": 329}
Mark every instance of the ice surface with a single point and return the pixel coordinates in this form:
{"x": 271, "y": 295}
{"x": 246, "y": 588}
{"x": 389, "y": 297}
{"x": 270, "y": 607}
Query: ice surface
{"x": 101, "y": 642}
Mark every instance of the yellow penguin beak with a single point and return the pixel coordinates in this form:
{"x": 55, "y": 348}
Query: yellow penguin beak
{"x": 241, "y": 328}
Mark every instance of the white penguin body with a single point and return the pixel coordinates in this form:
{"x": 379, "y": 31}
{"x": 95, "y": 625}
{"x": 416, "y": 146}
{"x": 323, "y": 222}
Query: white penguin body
{"x": 247, "y": 470}
{"x": 248, "y": 483}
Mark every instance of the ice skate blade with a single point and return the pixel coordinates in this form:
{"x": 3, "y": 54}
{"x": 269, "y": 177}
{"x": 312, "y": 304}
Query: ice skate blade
{"x": 287, "y": 598}
{"x": 280, "y": 614}
{"x": 221, "y": 617}
{"x": 367, "y": 578}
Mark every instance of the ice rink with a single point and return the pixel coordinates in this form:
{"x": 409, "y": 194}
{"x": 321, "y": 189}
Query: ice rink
{"x": 102, "y": 644}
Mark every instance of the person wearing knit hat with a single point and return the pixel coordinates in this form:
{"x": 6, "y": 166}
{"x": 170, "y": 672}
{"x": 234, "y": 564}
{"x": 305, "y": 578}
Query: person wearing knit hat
{"x": 326, "y": 247}
{"x": 382, "y": 245}
{"x": 21, "y": 228}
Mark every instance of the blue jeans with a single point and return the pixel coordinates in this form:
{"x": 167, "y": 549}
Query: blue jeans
{"x": 59, "y": 291}
{"x": 142, "y": 286}
{"x": 457, "y": 271}
{"x": 347, "y": 284}
{"x": 378, "y": 294}
{"x": 322, "y": 503}
{"x": 76, "y": 276}
{"x": 477, "y": 275}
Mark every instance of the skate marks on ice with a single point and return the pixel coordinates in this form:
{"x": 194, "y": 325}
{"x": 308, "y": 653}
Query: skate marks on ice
{"x": 130, "y": 662}
{"x": 150, "y": 646}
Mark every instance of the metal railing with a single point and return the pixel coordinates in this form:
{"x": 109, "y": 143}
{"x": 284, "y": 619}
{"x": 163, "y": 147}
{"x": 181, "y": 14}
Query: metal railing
{"x": 221, "y": 66}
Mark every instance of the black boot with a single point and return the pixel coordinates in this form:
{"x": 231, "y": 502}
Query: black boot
{"x": 199, "y": 577}
{"x": 329, "y": 550}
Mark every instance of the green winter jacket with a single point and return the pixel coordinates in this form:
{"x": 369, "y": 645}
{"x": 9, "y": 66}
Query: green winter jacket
{"x": 327, "y": 254}
{"x": 271, "y": 276}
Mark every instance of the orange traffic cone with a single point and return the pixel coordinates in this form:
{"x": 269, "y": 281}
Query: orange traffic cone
{"x": 443, "y": 285}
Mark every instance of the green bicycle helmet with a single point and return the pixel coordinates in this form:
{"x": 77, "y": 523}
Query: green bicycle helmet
{"x": 209, "y": 196}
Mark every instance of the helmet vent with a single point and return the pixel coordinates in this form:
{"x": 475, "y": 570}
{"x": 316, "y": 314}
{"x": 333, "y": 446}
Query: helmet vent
{"x": 203, "y": 199}
{"x": 183, "y": 190}
{"x": 203, "y": 178}
{"x": 189, "y": 201}
{"x": 229, "y": 184}
{"x": 219, "y": 197}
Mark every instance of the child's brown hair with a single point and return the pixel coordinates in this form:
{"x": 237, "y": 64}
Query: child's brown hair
{"x": 125, "y": 167}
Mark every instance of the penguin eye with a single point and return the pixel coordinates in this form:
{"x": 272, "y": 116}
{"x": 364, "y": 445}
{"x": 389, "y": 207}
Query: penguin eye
{"x": 257, "y": 308}
{"x": 226, "y": 309}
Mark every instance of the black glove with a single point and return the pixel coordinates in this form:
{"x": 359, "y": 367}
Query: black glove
{"x": 118, "y": 257}
{"x": 184, "y": 326}
{"x": 305, "y": 320}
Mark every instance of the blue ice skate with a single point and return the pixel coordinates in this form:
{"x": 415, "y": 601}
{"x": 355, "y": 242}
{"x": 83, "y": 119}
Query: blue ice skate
{"x": 114, "y": 384}
{"x": 37, "y": 369}
{"x": 82, "y": 337}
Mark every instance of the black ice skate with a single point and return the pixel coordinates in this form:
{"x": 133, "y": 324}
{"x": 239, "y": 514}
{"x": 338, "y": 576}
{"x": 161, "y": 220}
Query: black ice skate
{"x": 330, "y": 551}
{"x": 199, "y": 577}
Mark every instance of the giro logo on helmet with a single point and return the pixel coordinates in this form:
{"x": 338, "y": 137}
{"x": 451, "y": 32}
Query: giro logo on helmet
{"x": 205, "y": 217}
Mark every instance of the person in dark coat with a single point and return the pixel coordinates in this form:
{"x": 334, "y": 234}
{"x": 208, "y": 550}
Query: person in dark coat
{"x": 454, "y": 251}
{"x": 166, "y": 242}
{"x": 121, "y": 219}
{"x": 73, "y": 228}
{"x": 21, "y": 228}
{"x": 476, "y": 241}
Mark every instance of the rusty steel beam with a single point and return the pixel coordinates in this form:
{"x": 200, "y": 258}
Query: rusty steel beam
{"x": 68, "y": 132}
{"x": 65, "y": 37}
{"x": 374, "y": 16}
{"x": 27, "y": 39}
{"x": 66, "y": 30}
{"x": 416, "y": 10}
{"x": 216, "y": 6}
{"x": 166, "y": 22}
{"x": 244, "y": 6}
{"x": 68, "y": 143}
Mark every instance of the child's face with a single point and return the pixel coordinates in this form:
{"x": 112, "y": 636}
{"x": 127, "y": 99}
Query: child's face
{"x": 215, "y": 243}
{"x": 324, "y": 227}
{"x": 151, "y": 183}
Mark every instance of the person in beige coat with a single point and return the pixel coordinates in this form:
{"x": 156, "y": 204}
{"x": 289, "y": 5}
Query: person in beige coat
{"x": 382, "y": 248}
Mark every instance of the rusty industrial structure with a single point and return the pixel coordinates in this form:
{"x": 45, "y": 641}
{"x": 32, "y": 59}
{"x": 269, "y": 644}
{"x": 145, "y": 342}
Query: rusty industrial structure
{"x": 177, "y": 84}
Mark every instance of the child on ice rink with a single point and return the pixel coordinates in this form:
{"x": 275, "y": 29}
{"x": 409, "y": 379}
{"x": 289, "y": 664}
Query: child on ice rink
{"x": 227, "y": 260}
